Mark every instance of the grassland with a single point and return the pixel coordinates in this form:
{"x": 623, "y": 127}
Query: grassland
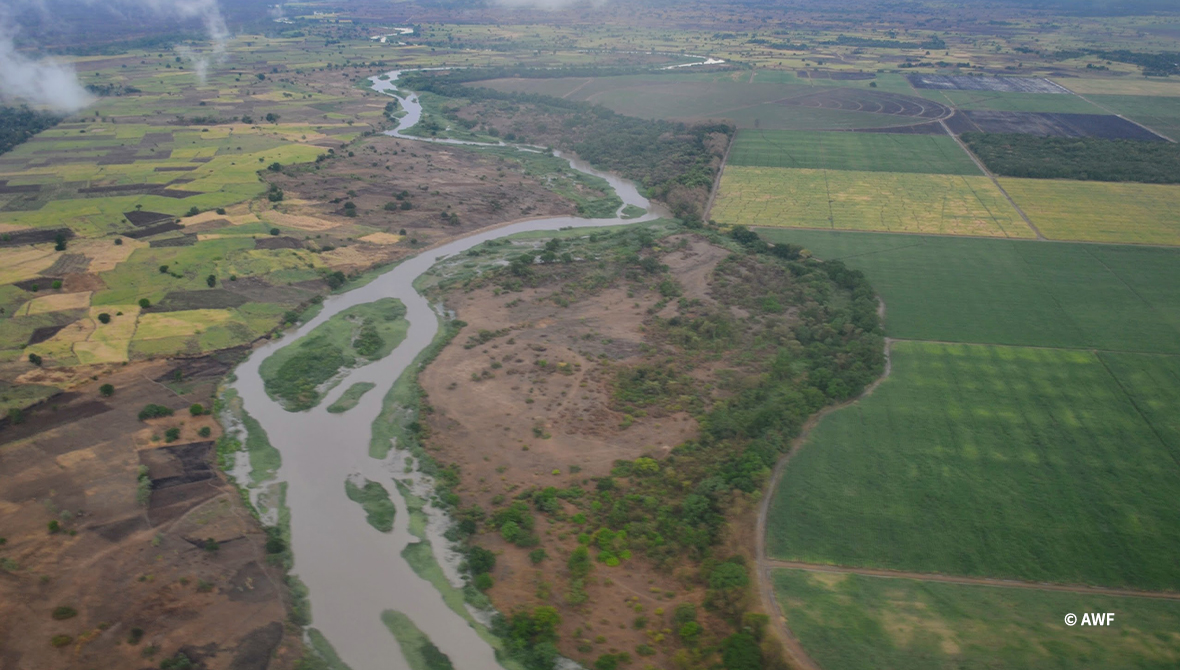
{"x": 374, "y": 499}
{"x": 350, "y": 397}
{"x": 1109, "y": 297}
{"x": 876, "y": 201}
{"x": 420, "y": 652}
{"x": 705, "y": 96}
{"x": 854, "y": 622}
{"x": 1100, "y": 211}
{"x": 299, "y": 374}
{"x": 1031, "y": 463}
{"x": 875, "y": 152}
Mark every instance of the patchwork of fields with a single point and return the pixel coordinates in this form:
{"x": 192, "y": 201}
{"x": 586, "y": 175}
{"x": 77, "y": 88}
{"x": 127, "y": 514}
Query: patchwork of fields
{"x": 876, "y": 152}
{"x": 855, "y": 200}
{"x": 1100, "y": 211}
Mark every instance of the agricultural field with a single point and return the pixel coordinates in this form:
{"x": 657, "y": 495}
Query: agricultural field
{"x": 1104, "y": 126}
{"x": 989, "y": 84}
{"x": 1033, "y": 464}
{"x": 856, "y": 622}
{"x": 871, "y": 201}
{"x": 1083, "y": 296}
{"x": 876, "y": 152}
{"x": 998, "y": 101}
{"x": 1100, "y": 211}
{"x": 1161, "y": 114}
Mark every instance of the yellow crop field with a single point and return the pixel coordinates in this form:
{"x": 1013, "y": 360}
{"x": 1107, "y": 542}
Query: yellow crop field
{"x": 55, "y": 302}
{"x": 1100, "y": 211}
{"x": 854, "y": 200}
{"x": 108, "y": 343}
{"x": 175, "y": 324}
{"x": 20, "y": 263}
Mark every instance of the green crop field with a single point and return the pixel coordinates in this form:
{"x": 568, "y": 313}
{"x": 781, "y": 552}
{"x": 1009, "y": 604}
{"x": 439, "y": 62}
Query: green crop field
{"x": 1110, "y": 297}
{"x": 1100, "y": 211}
{"x": 876, "y": 201}
{"x": 1031, "y": 463}
{"x": 853, "y": 622}
{"x": 876, "y": 152}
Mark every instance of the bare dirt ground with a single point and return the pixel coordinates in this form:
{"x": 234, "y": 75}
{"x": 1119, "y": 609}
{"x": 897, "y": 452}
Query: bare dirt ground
{"x": 522, "y": 426}
{"x": 129, "y": 569}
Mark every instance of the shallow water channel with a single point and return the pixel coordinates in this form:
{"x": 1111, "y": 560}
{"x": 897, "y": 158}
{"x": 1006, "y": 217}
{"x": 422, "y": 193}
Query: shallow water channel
{"x": 352, "y": 571}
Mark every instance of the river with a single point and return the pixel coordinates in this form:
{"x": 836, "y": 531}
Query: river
{"x": 352, "y": 571}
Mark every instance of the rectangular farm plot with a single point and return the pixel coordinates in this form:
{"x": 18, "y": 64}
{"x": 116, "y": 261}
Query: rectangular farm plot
{"x": 1100, "y": 211}
{"x": 876, "y": 152}
{"x": 1092, "y": 296}
{"x": 856, "y": 622}
{"x": 988, "y": 461}
{"x": 862, "y": 200}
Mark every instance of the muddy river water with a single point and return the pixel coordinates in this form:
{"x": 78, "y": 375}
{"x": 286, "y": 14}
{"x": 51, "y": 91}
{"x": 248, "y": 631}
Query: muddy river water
{"x": 352, "y": 571}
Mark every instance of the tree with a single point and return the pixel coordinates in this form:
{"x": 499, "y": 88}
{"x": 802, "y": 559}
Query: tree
{"x": 163, "y": 269}
{"x": 144, "y": 303}
{"x": 103, "y": 317}
{"x": 211, "y": 280}
{"x": 271, "y": 117}
{"x": 35, "y": 359}
{"x": 106, "y": 390}
{"x": 59, "y": 242}
{"x": 193, "y": 211}
{"x": 196, "y": 409}
{"x": 740, "y": 651}
{"x": 275, "y": 167}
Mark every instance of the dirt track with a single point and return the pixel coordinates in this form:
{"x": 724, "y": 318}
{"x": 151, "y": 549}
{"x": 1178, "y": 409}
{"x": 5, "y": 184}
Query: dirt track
{"x": 765, "y": 585}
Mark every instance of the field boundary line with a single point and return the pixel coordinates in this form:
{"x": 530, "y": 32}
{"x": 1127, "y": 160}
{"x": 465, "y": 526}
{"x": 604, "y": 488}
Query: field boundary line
{"x": 995, "y": 181}
{"x": 970, "y": 581}
{"x": 717, "y": 179}
{"x": 577, "y": 88}
{"x": 915, "y": 233}
{"x": 770, "y": 604}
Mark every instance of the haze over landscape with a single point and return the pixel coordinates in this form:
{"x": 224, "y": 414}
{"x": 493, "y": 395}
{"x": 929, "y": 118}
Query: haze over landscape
{"x": 546, "y": 334}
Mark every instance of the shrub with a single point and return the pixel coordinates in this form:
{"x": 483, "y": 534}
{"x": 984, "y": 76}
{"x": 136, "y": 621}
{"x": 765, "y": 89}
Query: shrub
{"x": 483, "y": 581}
{"x": 61, "y": 613}
{"x": 537, "y": 555}
{"x": 163, "y": 269}
{"x": 211, "y": 280}
{"x": 205, "y": 431}
{"x": 193, "y": 211}
{"x": 153, "y": 411}
{"x": 196, "y": 409}
{"x": 579, "y": 562}
{"x": 172, "y": 434}
{"x": 53, "y": 526}
{"x": 15, "y": 416}
{"x": 59, "y": 641}
{"x": 177, "y": 662}
{"x": 274, "y": 231}
{"x": 211, "y": 545}
{"x": 104, "y": 318}
{"x": 144, "y": 303}
{"x": 135, "y": 636}
{"x": 35, "y": 359}
{"x": 480, "y": 560}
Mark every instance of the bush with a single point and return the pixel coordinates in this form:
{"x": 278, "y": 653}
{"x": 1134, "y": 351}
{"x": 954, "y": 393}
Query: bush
{"x": 61, "y": 613}
{"x": 153, "y": 411}
{"x": 483, "y": 581}
{"x": 144, "y": 303}
{"x": 480, "y": 560}
{"x": 104, "y": 318}
{"x": 177, "y": 662}
{"x": 53, "y": 526}
{"x": 196, "y": 409}
{"x": 172, "y": 434}
{"x": 35, "y": 359}
{"x": 537, "y": 555}
{"x": 59, "y": 641}
{"x": 205, "y": 431}
{"x": 135, "y": 636}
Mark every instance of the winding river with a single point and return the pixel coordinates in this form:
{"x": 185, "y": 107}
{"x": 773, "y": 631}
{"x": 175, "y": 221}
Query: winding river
{"x": 352, "y": 571}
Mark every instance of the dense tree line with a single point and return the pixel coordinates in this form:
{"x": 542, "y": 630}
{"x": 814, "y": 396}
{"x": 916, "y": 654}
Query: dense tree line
{"x": 18, "y": 124}
{"x": 1082, "y": 158}
{"x": 659, "y": 155}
